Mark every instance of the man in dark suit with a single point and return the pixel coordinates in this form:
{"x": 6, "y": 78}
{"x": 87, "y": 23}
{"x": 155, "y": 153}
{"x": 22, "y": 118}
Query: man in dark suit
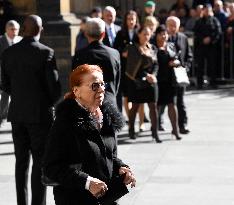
{"x": 30, "y": 77}
{"x": 9, "y": 38}
{"x": 98, "y": 54}
{"x": 207, "y": 34}
{"x": 111, "y": 29}
{"x": 201, "y": 2}
{"x": 185, "y": 56}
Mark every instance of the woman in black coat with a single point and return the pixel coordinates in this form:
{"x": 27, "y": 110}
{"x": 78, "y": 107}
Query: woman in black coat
{"x": 124, "y": 38}
{"x": 167, "y": 59}
{"x": 81, "y": 152}
{"x": 141, "y": 70}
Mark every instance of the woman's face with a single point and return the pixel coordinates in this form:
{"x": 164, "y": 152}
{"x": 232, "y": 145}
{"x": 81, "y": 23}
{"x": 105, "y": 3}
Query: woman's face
{"x": 131, "y": 21}
{"x": 91, "y": 92}
{"x": 144, "y": 36}
{"x": 162, "y": 37}
{"x": 152, "y": 27}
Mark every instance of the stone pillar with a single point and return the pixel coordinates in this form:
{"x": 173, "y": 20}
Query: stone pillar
{"x": 58, "y": 24}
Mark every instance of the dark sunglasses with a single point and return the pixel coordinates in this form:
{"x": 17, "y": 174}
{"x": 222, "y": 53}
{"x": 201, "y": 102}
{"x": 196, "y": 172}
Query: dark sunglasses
{"x": 96, "y": 86}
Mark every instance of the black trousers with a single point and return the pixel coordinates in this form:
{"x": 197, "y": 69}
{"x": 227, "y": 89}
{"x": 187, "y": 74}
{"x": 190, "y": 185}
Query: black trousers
{"x": 208, "y": 54}
{"x": 29, "y": 139}
{"x": 182, "y": 114}
{"x": 4, "y": 104}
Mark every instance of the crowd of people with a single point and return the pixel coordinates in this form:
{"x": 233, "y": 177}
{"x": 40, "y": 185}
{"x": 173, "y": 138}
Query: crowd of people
{"x": 118, "y": 63}
{"x": 147, "y": 50}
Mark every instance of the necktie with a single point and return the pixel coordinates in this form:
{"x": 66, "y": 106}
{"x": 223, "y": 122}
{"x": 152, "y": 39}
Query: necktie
{"x": 111, "y": 36}
{"x": 172, "y": 39}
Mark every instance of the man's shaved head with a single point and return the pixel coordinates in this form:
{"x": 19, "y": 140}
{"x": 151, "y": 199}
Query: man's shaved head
{"x": 32, "y": 26}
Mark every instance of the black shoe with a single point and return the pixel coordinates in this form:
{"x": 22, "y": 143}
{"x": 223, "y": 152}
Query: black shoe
{"x": 132, "y": 135}
{"x": 161, "y": 128}
{"x": 184, "y": 131}
{"x": 155, "y": 136}
{"x": 146, "y": 119}
{"x": 200, "y": 87}
{"x": 157, "y": 140}
{"x": 176, "y": 135}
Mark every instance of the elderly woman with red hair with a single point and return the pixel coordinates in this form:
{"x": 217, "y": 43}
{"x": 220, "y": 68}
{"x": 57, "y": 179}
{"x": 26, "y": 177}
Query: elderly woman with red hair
{"x": 81, "y": 150}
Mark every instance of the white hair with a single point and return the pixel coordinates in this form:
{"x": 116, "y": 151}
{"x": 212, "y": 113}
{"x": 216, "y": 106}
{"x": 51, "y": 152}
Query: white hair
{"x": 12, "y": 23}
{"x": 110, "y": 9}
{"x": 219, "y": 2}
{"x": 94, "y": 27}
{"x": 175, "y": 19}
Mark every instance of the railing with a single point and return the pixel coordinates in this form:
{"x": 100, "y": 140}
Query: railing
{"x": 225, "y": 71}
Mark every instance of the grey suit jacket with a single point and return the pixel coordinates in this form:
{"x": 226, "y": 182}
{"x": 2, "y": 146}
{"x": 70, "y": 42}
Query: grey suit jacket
{"x": 3, "y": 46}
{"x": 106, "y": 38}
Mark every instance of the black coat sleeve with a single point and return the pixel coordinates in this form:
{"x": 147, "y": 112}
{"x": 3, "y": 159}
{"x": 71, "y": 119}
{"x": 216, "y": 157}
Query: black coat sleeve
{"x": 57, "y": 160}
{"x": 52, "y": 78}
{"x": 5, "y": 79}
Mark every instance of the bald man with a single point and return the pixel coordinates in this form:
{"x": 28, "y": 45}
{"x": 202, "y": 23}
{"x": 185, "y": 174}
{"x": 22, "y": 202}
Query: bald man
{"x": 30, "y": 77}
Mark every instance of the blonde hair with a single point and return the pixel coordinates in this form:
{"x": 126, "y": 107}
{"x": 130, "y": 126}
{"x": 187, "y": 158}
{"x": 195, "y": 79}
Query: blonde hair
{"x": 151, "y": 20}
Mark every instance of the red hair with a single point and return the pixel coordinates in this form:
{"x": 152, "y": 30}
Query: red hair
{"x": 76, "y": 77}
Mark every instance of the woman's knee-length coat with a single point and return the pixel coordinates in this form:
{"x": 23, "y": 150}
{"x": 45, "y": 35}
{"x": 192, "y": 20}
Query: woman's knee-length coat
{"x": 76, "y": 149}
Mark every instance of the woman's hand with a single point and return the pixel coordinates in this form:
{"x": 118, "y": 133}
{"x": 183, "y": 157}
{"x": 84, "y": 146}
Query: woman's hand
{"x": 174, "y": 63}
{"x": 129, "y": 176}
{"x": 151, "y": 78}
{"x": 125, "y": 54}
{"x": 207, "y": 40}
{"x": 97, "y": 187}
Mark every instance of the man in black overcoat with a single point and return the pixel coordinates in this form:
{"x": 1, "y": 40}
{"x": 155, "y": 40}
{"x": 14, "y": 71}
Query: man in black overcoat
{"x": 30, "y": 77}
{"x": 98, "y": 54}
{"x": 207, "y": 33}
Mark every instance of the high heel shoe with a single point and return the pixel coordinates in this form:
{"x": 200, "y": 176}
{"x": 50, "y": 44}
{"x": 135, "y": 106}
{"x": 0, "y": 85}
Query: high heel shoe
{"x": 155, "y": 136}
{"x": 132, "y": 134}
{"x": 142, "y": 127}
{"x": 173, "y": 133}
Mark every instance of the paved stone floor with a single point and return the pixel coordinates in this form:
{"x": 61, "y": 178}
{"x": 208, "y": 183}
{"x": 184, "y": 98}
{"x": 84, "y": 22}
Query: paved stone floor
{"x": 199, "y": 170}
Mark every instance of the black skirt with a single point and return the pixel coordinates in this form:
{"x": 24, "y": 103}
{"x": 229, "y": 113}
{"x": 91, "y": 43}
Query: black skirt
{"x": 167, "y": 94}
{"x": 146, "y": 94}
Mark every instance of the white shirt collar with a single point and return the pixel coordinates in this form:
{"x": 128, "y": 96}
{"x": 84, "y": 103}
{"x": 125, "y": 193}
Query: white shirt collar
{"x": 131, "y": 33}
{"x": 108, "y": 26}
{"x": 14, "y": 40}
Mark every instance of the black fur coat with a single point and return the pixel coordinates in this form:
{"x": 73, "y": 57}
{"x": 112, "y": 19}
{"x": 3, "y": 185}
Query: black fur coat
{"x": 76, "y": 150}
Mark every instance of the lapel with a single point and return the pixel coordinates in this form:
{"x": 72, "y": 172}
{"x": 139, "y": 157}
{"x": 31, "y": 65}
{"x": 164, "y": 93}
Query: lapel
{"x": 106, "y": 39}
{"x": 5, "y": 43}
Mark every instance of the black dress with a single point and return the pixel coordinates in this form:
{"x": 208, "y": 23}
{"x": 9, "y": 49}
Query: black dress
{"x": 122, "y": 41}
{"x": 166, "y": 76}
{"x": 139, "y": 90}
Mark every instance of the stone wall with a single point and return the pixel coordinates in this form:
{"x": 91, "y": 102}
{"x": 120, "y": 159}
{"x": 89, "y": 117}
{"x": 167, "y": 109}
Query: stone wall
{"x": 81, "y": 7}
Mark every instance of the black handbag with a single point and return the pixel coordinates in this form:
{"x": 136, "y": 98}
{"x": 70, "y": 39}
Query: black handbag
{"x": 116, "y": 189}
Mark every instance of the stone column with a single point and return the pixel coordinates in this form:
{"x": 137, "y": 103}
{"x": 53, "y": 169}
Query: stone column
{"x": 58, "y": 24}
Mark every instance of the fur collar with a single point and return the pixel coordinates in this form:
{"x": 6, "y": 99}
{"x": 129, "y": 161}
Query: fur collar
{"x": 71, "y": 111}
